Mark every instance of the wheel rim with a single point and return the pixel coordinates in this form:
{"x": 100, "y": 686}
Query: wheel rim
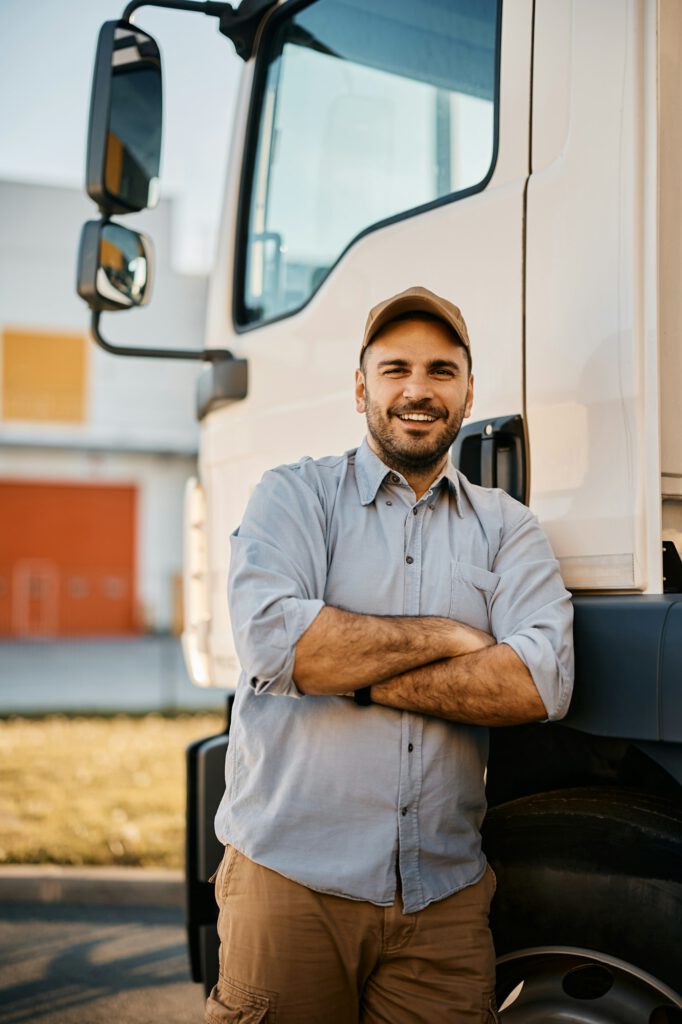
{"x": 560, "y": 984}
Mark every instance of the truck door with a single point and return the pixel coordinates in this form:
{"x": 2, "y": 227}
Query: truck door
{"x": 386, "y": 145}
{"x": 591, "y": 299}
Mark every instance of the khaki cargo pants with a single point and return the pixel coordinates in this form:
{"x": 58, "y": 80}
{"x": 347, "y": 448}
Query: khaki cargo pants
{"x": 289, "y": 955}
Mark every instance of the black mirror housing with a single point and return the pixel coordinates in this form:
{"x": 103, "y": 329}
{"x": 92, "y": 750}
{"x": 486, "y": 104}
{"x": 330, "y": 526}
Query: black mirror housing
{"x": 124, "y": 136}
{"x": 114, "y": 266}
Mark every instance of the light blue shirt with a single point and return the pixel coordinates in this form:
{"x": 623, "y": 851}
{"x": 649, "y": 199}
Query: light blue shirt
{"x": 340, "y": 797}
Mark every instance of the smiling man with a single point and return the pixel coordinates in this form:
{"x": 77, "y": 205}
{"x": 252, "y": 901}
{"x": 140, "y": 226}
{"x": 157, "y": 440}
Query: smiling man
{"x": 385, "y": 612}
{"x": 415, "y": 396}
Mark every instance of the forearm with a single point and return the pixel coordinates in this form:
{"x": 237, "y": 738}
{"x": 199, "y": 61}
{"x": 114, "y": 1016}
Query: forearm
{"x": 491, "y": 686}
{"x": 344, "y": 651}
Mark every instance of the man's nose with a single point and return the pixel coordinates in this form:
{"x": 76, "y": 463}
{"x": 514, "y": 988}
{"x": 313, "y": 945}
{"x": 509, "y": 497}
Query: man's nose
{"x": 418, "y": 387}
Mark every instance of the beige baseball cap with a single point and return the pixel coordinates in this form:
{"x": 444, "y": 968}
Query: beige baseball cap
{"x": 414, "y": 300}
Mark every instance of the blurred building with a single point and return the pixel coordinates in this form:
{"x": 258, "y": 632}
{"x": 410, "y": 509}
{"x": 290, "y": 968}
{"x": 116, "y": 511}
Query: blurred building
{"x": 95, "y": 449}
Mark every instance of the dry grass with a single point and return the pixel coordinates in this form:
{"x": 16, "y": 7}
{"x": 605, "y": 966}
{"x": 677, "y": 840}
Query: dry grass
{"x": 96, "y": 790}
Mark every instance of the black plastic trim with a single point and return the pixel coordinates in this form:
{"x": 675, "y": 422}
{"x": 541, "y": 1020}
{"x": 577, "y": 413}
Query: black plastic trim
{"x": 239, "y": 321}
{"x": 240, "y": 24}
{"x": 200, "y": 905}
{"x": 479, "y": 449}
{"x": 221, "y": 383}
{"x": 672, "y": 568}
{"x": 208, "y": 355}
{"x": 626, "y": 656}
{"x": 98, "y": 118}
{"x": 624, "y": 725}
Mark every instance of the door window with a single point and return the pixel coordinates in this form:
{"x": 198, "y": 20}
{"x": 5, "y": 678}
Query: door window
{"x": 368, "y": 109}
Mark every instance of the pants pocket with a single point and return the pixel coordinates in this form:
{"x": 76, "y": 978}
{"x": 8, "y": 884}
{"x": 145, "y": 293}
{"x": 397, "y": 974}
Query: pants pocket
{"x": 232, "y": 1003}
{"x": 491, "y": 1016}
{"x": 222, "y": 875}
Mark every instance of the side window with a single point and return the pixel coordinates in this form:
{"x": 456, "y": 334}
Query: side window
{"x": 367, "y": 109}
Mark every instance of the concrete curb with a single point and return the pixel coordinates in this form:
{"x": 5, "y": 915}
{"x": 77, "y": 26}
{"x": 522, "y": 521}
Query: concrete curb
{"x": 54, "y": 884}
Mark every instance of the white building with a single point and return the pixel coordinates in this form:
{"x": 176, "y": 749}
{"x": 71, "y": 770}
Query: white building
{"x": 94, "y": 448}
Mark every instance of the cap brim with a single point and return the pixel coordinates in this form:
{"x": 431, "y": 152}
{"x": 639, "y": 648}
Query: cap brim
{"x": 409, "y": 304}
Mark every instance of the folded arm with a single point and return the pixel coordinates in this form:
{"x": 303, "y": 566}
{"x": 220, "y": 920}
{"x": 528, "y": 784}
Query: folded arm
{"x": 491, "y": 686}
{"x": 289, "y": 641}
{"x": 448, "y": 669}
{"x": 342, "y": 651}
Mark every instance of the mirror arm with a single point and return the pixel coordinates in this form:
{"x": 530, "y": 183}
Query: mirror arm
{"x": 210, "y": 355}
{"x": 238, "y": 24}
{"x": 209, "y": 7}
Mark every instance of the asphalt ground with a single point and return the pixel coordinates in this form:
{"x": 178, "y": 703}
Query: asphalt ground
{"x": 93, "y": 947}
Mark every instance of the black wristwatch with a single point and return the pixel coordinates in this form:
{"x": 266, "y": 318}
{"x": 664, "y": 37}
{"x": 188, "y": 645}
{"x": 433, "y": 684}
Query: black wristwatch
{"x": 363, "y": 696}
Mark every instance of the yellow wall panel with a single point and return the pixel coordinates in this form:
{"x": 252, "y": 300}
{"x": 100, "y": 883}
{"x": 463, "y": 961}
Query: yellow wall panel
{"x": 43, "y": 375}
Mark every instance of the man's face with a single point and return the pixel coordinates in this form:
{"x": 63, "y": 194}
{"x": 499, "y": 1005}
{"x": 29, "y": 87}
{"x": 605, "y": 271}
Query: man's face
{"x": 415, "y": 391}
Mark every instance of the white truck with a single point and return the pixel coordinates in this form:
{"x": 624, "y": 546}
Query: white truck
{"x": 524, "y": 158}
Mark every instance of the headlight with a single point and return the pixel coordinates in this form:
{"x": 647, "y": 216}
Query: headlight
{"x": 197, "y": 608}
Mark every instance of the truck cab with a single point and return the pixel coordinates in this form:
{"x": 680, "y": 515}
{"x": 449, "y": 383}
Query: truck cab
{"x": 522, "y": 159}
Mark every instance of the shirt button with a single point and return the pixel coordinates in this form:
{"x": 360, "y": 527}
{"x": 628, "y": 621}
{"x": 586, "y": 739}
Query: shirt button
{"x": 409, "y": 559}
{"x": 410, "y": 748}
{"x": 432, "y": 508}
{"x": 415, "y": 511}
{"x": 389, "y": 502}
{"x": 404, "y": 811}
{"x": 394, "y": 478}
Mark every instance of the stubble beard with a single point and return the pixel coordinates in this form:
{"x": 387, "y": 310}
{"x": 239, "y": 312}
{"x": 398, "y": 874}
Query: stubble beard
{"x": 413, "y": 454}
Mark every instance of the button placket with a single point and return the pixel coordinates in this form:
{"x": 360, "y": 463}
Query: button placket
{"x": 411, "y": 725}
{"x": 407, "y": 809}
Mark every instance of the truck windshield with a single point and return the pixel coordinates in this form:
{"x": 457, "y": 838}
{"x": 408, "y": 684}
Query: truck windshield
{"x": 367, "y": 109}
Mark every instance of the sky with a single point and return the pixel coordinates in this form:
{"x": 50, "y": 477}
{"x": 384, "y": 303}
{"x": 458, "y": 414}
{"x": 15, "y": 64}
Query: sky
{"x": 48, "y": 50}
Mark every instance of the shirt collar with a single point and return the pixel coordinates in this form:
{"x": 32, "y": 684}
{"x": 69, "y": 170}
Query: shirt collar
{"x": 370, "y": 473}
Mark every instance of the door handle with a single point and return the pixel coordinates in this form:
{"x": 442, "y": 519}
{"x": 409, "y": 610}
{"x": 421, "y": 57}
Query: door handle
{"x": 494, "y": 453}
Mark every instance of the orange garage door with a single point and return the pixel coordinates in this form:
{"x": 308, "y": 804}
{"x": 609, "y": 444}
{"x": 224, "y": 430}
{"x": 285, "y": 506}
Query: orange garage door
{"x": 67, "y": 559}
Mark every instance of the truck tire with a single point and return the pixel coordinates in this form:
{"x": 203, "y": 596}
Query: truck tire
{"x": 587, "y": 918}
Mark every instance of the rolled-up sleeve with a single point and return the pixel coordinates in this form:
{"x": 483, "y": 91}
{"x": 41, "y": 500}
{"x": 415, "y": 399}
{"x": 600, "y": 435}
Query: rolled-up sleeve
{"x": 277, "y": 578}
{"x": 531, "y": 611}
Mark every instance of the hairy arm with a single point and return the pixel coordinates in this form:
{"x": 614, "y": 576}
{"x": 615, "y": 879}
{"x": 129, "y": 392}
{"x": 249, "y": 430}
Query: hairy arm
{"x": 342, "y": 651}
{"x": 490, "y": 686}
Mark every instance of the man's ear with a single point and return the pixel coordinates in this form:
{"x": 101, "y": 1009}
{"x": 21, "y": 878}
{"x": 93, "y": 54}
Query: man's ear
{"x": 470, "y": 397}
{"x": 360, "y": 404}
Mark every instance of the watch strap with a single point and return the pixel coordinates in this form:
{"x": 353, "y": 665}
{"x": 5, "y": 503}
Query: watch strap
{"x": 363, "y": 696}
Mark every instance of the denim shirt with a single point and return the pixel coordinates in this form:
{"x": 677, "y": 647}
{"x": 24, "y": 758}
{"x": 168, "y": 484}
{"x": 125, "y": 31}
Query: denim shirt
{"x": 340, "y": 797}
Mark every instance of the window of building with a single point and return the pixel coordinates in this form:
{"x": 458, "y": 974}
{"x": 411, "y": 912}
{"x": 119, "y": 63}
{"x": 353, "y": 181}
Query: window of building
{"x": 43, "y": 376}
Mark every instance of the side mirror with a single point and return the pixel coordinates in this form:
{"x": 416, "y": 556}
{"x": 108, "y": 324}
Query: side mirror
{"x": 114, "y": 266}
{"x": 124, "y": 136}
{"x": 122, "y": 173}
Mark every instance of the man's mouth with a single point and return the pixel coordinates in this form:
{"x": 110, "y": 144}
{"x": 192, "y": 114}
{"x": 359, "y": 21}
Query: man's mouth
{"x": 416, "y": 417}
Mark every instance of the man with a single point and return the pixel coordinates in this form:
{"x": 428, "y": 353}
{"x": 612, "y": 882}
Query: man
{"x": 385, "y": 612}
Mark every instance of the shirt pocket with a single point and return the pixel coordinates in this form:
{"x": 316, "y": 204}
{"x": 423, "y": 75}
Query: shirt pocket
{"x": 471, "y": 591}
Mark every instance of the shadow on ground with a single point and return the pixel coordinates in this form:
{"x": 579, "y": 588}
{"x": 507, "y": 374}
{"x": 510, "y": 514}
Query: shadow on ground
{"x": 85, "y": 964}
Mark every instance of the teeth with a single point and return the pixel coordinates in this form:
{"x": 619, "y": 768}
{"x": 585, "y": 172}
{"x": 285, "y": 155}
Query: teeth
{"x": 418, "y": 416}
